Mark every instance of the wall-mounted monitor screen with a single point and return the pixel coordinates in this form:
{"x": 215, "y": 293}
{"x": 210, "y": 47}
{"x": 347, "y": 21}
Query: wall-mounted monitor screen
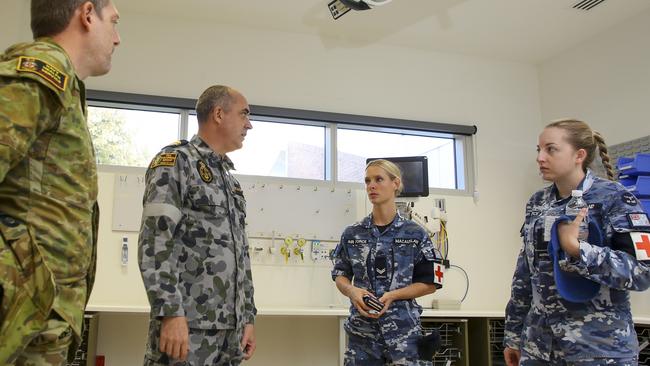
{"x": 415, "y": 174}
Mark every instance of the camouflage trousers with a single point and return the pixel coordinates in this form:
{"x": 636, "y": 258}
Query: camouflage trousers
{"x": 368, "y": 351}
{"x": 27, "y": 292}
{"x": 50, "y": 347}
{"x": 557, "y": 359}
{"x": 218, "y": 347}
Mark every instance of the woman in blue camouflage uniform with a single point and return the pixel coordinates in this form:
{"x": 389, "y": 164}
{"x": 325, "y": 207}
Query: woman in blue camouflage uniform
{"x": 390, "y": 258}
{"x": 542, "y": 327}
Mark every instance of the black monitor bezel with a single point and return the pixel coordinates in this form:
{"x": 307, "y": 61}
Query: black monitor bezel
{"x": 409, "y": 159}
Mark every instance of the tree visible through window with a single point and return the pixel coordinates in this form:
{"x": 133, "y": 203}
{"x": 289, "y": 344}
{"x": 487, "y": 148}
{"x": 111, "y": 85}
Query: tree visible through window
{"x": 128, "y": 137}
{"x": 302, "y": 145}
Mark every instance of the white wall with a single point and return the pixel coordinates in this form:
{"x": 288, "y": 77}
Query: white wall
{"x": 605, "y": 81}
{"x": 173, "y": 57}
{"x": 177, "y": 58}
{"x": 297, "y": 71}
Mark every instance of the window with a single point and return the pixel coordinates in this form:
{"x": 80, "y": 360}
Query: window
{"x": 129, "y": 129}
{"x": 279, "y": 150}
{"x": 355, "y": 146}
{"x": 119, "y": 134}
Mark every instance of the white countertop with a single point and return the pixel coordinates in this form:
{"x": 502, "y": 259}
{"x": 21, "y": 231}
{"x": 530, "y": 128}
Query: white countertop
{"x": 334, "y": 311}
{"x": 308, "y": 311}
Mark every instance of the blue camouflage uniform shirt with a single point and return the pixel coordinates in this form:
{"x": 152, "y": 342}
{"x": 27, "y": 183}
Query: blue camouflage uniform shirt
{"x": 538, "y": 319}
{"x": 402, "y": 245}
{"x": 193, "y": 249}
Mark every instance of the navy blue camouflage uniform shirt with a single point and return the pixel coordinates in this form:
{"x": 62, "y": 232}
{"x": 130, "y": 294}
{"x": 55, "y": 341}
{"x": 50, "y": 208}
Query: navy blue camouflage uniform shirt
{"x": 193, "y": 249}
{"x": 538, "y": 319}
{"x": 382, "y": 262}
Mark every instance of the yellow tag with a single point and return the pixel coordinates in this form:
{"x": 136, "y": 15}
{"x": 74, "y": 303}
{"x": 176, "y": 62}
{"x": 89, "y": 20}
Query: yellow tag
{"x": 41, "y": 68}
{"x": 165, "y": 159}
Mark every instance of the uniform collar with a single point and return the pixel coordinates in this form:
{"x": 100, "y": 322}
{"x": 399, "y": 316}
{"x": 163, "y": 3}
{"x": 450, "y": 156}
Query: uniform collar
{"x": 63, "y": 60}
{"x": 50, "y": 52}
{"x": 397, "y": 222}
{"x": 207, "y": 153}
{"x": 584, "y": 186}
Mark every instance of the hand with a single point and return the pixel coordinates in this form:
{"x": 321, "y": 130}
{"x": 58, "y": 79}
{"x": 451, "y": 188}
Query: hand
{"x": 568, "y": 234}
{"x": 248, "y": 344}
{"x": 174, "y": 337}
{"x": 356, "y": 295}
{"x": 387, "y": 299}
{"x": 512, "y": 356}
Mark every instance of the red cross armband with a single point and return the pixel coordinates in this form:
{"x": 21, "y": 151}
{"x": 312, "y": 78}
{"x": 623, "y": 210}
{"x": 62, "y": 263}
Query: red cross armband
{"x": 438, "y": 274}
{"x": 641, "y": 242}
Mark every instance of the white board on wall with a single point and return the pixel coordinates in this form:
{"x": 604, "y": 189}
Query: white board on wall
{"x": 310, "y": 210}
{"x": 127, "y": 202}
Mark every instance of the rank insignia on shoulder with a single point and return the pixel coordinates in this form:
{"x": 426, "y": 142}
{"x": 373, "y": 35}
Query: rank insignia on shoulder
{"x": 178, "y": 143}
{"x": 41, "y": 68}
{"x": 641, "y": 243}
{"x": 638, "y": 220}
{"x": 164, "y": 159}
{"x": 204, "y": 172}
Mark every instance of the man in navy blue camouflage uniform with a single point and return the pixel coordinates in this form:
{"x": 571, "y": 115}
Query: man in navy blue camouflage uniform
{"x": 390, "y": 258}
{"x": 542, "y": 328}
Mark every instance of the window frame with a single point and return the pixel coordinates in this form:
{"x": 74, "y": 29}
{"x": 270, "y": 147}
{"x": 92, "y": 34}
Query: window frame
{"x": 464, "y": 136}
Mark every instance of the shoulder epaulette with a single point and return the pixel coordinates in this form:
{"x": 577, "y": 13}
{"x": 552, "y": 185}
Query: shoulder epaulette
{"x": 167, "y": 156}
{"x": 178, "y": 143}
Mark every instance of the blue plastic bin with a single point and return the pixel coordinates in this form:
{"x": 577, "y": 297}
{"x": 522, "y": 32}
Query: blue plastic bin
{"x": 640, "y": 186}
{"x": 639, "y": 165}
{"x": 645, "y": 203}
{"x": 627, "y": 180}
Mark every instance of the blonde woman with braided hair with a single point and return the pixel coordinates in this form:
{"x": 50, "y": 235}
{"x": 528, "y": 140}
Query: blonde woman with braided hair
{"x": 570, "y": 301}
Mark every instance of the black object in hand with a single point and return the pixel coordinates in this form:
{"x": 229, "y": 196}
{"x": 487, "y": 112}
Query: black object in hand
{"x": 373, "y": 303}
{"x": 428, "y": 345}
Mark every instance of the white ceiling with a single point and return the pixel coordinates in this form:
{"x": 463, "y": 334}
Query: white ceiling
{"x": 519, "y": 30}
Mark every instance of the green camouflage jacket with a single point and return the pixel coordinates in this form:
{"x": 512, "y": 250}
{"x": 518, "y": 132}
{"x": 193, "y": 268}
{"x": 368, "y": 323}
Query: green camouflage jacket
{"x": 48, "y": 176}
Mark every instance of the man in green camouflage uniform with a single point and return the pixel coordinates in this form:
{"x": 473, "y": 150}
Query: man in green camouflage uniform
{"x": 193, "y": 250}
{"x": 48, "y": 179}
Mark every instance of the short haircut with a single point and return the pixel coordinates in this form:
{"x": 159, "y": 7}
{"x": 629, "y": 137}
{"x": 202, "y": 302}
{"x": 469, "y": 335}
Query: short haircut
{"x": 51, "y": 17}
{"x": 214, "y": 96}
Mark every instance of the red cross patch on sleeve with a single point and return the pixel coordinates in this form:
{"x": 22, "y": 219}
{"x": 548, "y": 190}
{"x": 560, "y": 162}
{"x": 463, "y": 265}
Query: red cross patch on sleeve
{"x": 641, "y": 245}
{"x": 438, "y": 273}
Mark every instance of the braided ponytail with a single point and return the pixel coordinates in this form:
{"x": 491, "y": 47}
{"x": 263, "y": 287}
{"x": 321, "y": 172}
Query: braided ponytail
{"x": 602, "y": 149}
